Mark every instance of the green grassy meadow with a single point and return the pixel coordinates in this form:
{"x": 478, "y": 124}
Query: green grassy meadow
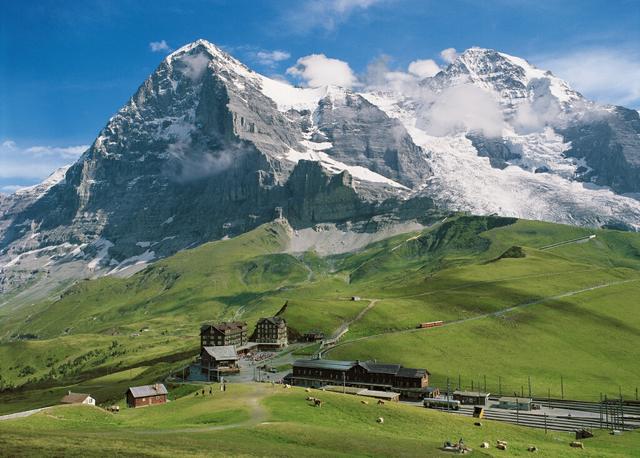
{"x": 575, "y": 309}
{"x": 261, "y": 420}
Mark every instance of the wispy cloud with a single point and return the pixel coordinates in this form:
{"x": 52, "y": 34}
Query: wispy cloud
{"x": 159, "y": 46}
{"x": 271, "y": 58}
{"x": 32, "y": 164}
{"x": 606, "y": 75}
{"x": 325, "y": 14}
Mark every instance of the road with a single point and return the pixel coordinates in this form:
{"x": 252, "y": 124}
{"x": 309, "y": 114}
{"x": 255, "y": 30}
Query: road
{"x": 481, "y": 316}
{"x": 23, "y": 414}
{"x": 567, "y": 242}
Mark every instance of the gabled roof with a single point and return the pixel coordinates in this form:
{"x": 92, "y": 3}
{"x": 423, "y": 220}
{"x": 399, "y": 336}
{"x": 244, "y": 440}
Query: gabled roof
{"x": 410, "y": 372}
{"x": 276, "y": 320}
{"x": 148, "y": 390}
{"x": 324, "y": 364}
{"x": 379, "y": 368}
{"x": 224, "y": 326}
{"x": 74, "y": 398}
{"x": 369, "y": 366}
{"x": 222, "y": 352}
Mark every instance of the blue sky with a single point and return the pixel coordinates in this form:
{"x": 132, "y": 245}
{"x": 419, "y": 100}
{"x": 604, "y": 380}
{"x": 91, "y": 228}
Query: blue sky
{"x": 67, "y": 66}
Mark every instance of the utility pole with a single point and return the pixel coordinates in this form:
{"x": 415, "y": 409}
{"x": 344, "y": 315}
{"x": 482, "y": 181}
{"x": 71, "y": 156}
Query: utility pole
{"x": 562, "y": 387}
{"x": 529, "y": 386}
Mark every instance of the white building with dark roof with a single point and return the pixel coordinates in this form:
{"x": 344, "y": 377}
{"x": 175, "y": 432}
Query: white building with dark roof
{"x": 78, "y": 398}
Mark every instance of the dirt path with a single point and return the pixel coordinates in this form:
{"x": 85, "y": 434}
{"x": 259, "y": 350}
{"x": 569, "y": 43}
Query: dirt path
{"x": 257, "y": 415}
{"x": 26, "y": 413}
{"x": 484, "y": 315}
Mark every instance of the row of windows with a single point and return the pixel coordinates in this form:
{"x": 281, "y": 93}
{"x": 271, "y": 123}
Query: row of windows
{"x": 370, "y": 379}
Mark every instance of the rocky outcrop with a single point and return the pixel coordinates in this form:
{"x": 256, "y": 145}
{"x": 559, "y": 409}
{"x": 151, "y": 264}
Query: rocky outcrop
{"x": 609, "y": 142}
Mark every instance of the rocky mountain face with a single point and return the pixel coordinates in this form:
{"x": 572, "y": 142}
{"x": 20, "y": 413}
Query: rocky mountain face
{"x": 208, "y": 148}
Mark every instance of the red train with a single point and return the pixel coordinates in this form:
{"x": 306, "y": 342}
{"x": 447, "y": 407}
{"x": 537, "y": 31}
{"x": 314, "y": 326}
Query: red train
{"x": 431, "y": 324}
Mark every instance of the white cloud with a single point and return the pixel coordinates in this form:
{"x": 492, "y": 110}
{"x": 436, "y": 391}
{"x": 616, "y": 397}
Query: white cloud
{"x": 159, "y": 46}
{"x": 423, "y": 68}
{"x": 318, "y": 70}
{"x": 458, "y": 109}
{"x": 270, "y": 58}
{"x": 449, "y": 55}
{"x": 195, "y": 65}
{"x": 325, "y": 14}
{"x": 10, "y": 188}
{"x": 604, "y": 75}
{"x": 34, "y": 163}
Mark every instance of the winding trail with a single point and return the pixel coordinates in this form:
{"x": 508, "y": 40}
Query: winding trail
{"x": 257, "y": 415}
{"x": 481, "y": 316}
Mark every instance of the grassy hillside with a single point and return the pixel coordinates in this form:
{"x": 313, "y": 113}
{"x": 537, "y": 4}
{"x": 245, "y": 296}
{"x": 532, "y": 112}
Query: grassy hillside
{"x": 515, "y": 306}
{"x": 260, "y": 420}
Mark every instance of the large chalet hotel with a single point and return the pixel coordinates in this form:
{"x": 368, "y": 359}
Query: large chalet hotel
{"x": 411, "y": 383}
{"x": 222, "y": 343}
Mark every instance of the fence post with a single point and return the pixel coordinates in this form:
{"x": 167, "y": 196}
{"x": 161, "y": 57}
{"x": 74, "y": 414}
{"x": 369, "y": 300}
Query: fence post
{"x": 549, "y": 398}
{"x": 471, "y": 384}
{"x": 529, "y": 377}
{"x": 562, "y": 387}
{"x": 600, "y": 409}
{"x": 636, "y": 393}
{"x": 459, "y": 381}
{"x": 485, "y": 383}
{"x": 500, "y": 387}
{"x": 545, "y": 423}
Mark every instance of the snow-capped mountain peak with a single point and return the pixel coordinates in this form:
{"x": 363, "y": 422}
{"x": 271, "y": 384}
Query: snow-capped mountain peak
{"x": 207, "y": 147}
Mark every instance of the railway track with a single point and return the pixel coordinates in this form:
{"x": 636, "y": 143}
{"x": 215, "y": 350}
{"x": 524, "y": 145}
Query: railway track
{"x": 536, "y": 420}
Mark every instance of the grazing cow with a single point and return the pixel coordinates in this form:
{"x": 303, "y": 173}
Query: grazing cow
{"x": 533, "y": 448}
{"x": 310, "y": 398}
{"x": 380, "y": 402}
{"x": 501, "y": 446}
{"x": 317, "y": 403}
{"x": 484, "y": 445}
{"x": 576, "y": 444}
{"x": 308, "y": 390}
{"x": 380, "y": 420}
{"x": 364, "y": 402}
